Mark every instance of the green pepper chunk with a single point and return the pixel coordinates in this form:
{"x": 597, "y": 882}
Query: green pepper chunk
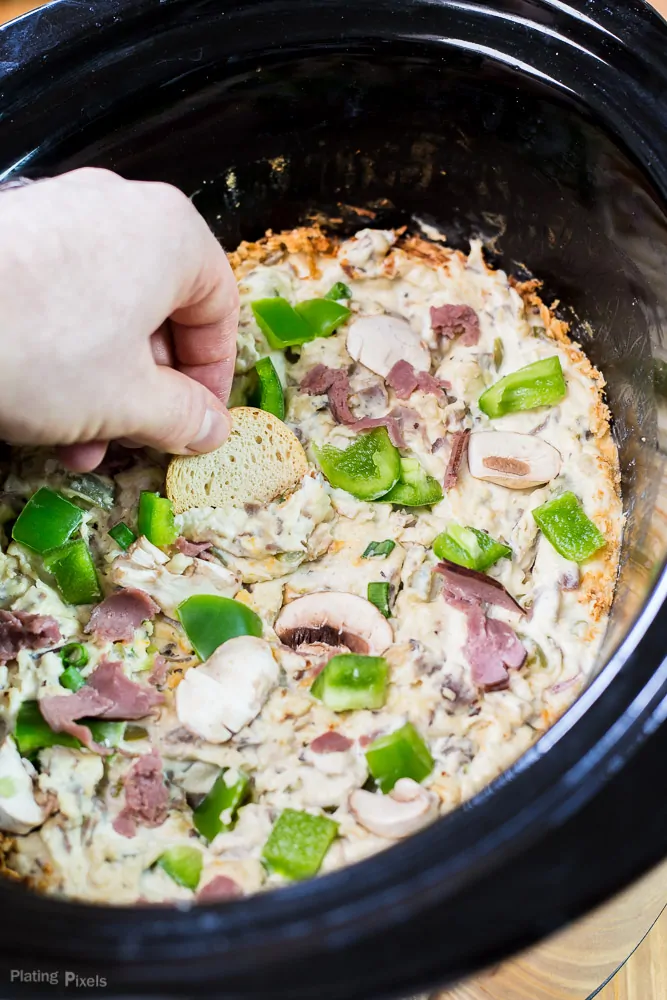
{"x": 414, "y": 488}
{"x": 269, "y": 393}
{"x": 74, "y": 654}
{"x": 74, "y": 570}
{"x": 280, "y": 323}
{"x": 156, "y": 519}
{"x": 33, "y": 732}
{"x": 350, "y": 682}
{"x": 46, "y": 521}
{"x": 72, "y": 679}
{"x": 183, "y": 865}
{"x": 122, "y": 535}
{"x": 338, "y": 291}
{"x": 322, "y": 315}
{"x": 470, "y": 547}
{"x": 367, "y": 469}
{"x": 378, "y": 594}
{"x": 93, "y": 489}
{"x": 298, "y": 844}
{"x": 539, "y": 384}
{"x": 564, "y": 524}
{"x": 401, "y": 754}
{"x": 379, "y": 549}
{"x": 222, "y": 798}
{"x": 209, "y": 621}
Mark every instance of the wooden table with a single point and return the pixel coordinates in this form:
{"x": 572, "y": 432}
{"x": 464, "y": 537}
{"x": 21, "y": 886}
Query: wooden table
{"x": 643, "y": 977}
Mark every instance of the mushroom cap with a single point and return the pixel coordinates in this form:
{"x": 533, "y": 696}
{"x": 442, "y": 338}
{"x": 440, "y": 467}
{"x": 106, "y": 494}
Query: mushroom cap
{"x": 337, "y": 619}
{"x": 19, "y": 812}
{"x": 378, "y": 342}
{"x": 406, "y": 809}
{"x": 507, "y": 458}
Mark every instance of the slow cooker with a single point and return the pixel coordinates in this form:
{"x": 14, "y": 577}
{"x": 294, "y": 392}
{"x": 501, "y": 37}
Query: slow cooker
{"x": 540, "y": 125}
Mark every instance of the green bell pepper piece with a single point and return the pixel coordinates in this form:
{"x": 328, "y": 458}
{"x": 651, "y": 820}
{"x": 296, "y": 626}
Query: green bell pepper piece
{"x": 122, "y": 535}
{"x": 379, "y": 549}
{"x": 93, "y": 489}
{"x": 156, "y": 519}
{"x": 183, "y": 865}
{"x": 539, "y": 384}
{"x": 378, "y": 594}
{"x": 401, "y": 754}
{"x": 280, "y": 323}
{"x": 74, "y": 654}
{"x": 338, "y": 291}
{"x": 351, "y": 681}
{"x": 33, "y": 732}
{"x": 74, "y": 570}
{"x": 368, "y": 468}
{"x": 564, "y": 524}
{"x": 72, "y": 679}
{"x": 209, "y": 621}
{"x": 222, "y": 798}
{"x": 268, "y": 394}
{"x": 470, "y": 547}
{"x": 298, "y": 844}
{"x": 414, "y": 488}
{"x": 46, "y": 521}
{"x": 322, "y": 315}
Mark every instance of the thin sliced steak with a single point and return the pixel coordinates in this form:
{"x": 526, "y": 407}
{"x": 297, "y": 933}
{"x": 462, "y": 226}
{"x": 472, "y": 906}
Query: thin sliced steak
{"x": 146, "y": 796}
{"x": 128, "y": 700}
{"x": 459, "y": 448}
{"x": 220, "y": 887}
{"x": 60, "y": 712}
{"x": 120, "y": 614}
{"x": 331, "y": 742}
{"x": 405, "y": 380}
{"x": 193, "y": 549}
{"x": 469, "y": 585}
{"x": 21, "y": 630}
{"x": 456, "y": 321}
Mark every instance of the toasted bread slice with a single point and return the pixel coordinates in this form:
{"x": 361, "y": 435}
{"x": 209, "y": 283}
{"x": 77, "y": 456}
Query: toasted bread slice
{"x": 260, "y": 460}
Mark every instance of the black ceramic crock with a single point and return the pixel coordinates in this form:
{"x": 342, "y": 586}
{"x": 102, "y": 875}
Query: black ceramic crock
{"x": 542, "y": 125}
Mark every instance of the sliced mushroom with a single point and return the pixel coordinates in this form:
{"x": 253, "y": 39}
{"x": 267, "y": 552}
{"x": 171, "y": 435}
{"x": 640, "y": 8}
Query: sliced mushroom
{"x": 517, "y": 461}
{"x": 19, "y": 812}
{"x": 336, "y": 619}
{"x": 228, "y": 691}
{"x": 146, "y": 567}
{"x": 378, "y": 342}
{"x": 406, "y": 809}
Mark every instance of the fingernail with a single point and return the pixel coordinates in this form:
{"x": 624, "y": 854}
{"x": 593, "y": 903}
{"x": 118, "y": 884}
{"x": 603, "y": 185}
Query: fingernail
{"x": 213, "y": 432}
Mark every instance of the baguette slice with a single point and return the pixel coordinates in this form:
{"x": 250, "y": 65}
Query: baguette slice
{"x": 260, "y": 460}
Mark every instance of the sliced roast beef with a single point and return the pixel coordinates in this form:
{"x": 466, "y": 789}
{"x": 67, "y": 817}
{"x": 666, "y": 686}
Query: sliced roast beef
{"x": 146, "y": 796}
{"x": 61, "y": 711}
{"x": 128, "y": 699}
{"x": 318, "y": 380}
{"x": 459, "y": 448}
{"x": 193, "y": 549}
{"x": 392, "y": 421}
{"x": 331, "y": 742}
{"x": 120, "y": 614}
{"x": 491, "y": 647}
{"x": 21, "y": 630}
{"x": 220, "y": 887}
{"x": 158, "y": 674}
{"x": 456, "y": 321}
{"x": 335, "y": 382}
{"x": 469, "y": 585}
{"x": 405, "y": 380}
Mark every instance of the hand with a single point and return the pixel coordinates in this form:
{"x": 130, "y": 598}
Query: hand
{"x": 119, "y": 315}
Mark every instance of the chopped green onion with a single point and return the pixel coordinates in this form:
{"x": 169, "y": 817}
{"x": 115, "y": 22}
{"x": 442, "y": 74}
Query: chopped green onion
{"x": 401, "y": 754}
{"x": 338, "y": 291}
{"x": 222, "y": 798}
{"x": 183, "y": 865}
{"x": 367, "y": 469}
{"x": 210, "y": 620}
{"x": 379, "y": 549}
{"x": 351, "y": 681}
{"x": 470, "y": 547}
{"x": 564, "y": 524}
{"x": 298, "y": 843}
{"x": 74, "y": 570}
{"x": 74, "y": 654}
{"x": 414, "y": 488}
{"x": 539, "y": 384}
{"x": 46, "y": 521}
{"x": 498, "y": 353}
{"x": 156, "y": 519}
{"x": 72, "y": 679}
{"x": 122, "y": 535}
{"x": 93, "y": 489}
{"x": 269, "y": 394}
{"x": 133, "y": 733}
{"x": 378, "y": 594}
{"x": 322, "y": 315}
{"x": 33, "y": 732}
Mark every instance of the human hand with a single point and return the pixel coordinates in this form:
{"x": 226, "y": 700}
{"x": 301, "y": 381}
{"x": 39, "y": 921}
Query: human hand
{"x": 119, "y": 316}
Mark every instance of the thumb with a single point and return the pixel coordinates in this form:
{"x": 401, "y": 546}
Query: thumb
{"x": 176, "y": 414}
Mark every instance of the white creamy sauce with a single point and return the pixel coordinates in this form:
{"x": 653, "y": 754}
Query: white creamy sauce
{"x": 313, "y": 541}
